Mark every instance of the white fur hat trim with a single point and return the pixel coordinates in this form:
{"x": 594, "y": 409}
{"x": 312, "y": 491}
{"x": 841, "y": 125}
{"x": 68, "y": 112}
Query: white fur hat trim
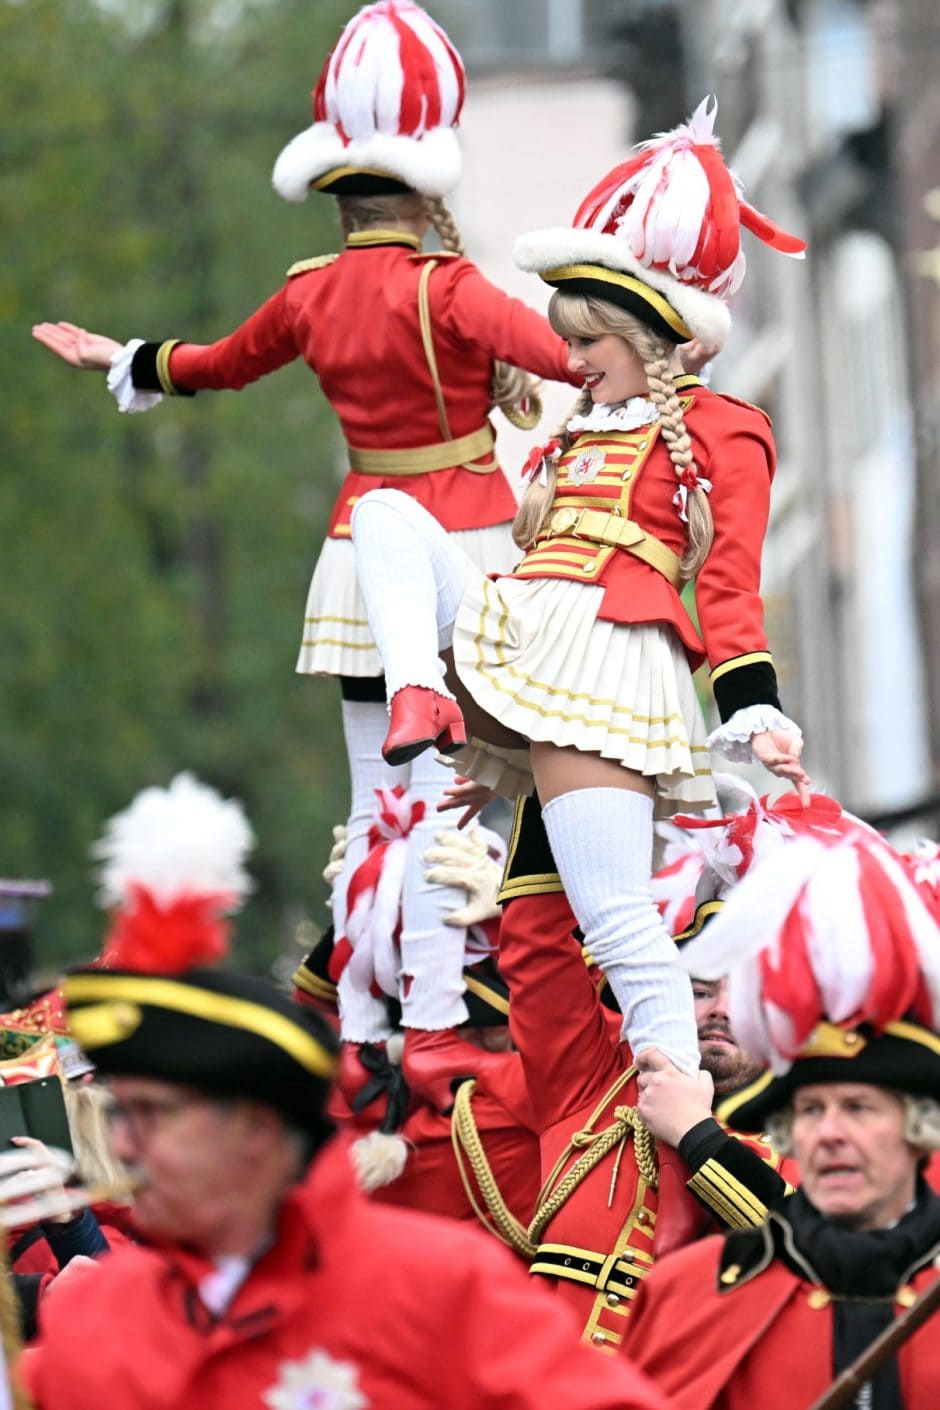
{"x": 705, "y": 315}
{"x": 430, "y": 164}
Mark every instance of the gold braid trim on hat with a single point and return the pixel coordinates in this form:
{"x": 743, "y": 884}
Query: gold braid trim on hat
{"x": 594, "y": 1145}
{"x": 465, "y": 1139}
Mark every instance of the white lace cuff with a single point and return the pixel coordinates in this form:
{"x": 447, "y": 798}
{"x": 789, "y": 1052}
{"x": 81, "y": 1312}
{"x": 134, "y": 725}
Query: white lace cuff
{"x": 121, "y": 385}
{"x": 733, "y": 738}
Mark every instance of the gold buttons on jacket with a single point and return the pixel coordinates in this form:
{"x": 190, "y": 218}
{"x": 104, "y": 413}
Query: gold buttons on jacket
{"x": 643, "y": 1217}
{"x": 817, "y": 1299}
{"x": 598, "y": 1338}
{"x": 564, "y": 520}
{"x": 588, "y": 567}
{"x": 905, "y": 1296}
{"x": 613, "y": 1300}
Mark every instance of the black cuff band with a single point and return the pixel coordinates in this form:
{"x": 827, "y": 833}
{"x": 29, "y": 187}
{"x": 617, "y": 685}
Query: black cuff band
{"x": 144, "y": 371}
{"x": 753, "y": 684}
{"x": 701, "y": 1141}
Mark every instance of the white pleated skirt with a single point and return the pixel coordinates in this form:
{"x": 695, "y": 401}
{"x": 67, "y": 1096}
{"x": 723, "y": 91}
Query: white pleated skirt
{"x": 336, "y": 638}
{"x": 534, "y": 654}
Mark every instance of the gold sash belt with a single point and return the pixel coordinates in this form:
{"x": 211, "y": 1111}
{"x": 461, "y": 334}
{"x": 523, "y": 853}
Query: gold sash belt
{"x": 611, "y": 529}
{"x": 423, "y": 460}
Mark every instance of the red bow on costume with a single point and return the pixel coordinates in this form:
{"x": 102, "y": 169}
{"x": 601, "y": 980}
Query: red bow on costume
{"x": 689, "y": 480}
{"x": 538, "y": 455}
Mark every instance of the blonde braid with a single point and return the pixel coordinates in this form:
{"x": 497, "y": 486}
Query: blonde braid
{"x": 511, "y": 386}
{"x": 536, "y": 504}
{"x": 655, "y": 355}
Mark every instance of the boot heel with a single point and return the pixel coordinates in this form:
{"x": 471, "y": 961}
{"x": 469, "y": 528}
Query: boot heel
{"x": 452, "y": 738}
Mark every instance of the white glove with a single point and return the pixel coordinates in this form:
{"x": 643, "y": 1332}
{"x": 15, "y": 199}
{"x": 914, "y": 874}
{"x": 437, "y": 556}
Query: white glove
{"x": 462, "y": 859}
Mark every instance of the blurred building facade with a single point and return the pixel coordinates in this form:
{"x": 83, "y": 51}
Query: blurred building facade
{"x": 829, "y": 112}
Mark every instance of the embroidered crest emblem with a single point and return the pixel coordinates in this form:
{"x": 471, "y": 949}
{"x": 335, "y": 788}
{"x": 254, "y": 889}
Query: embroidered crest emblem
{"x": 586, "y": 467}
{"x": 316, "y": 1383}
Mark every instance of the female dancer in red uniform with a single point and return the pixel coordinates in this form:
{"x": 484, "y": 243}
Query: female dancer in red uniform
{"x": 578, "y": 664}
{"x": 413, "y": 351}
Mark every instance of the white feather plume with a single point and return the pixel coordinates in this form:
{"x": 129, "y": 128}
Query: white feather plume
{"x": 753, "y": 913}
{"x": 178, "y": 841}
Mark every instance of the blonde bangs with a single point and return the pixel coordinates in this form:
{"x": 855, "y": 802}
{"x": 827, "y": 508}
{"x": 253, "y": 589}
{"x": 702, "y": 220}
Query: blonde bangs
{"x": 582, "y": 316}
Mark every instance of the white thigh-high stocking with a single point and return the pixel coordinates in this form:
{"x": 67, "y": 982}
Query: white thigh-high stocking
{"x": 363, "y": 1017}
{"x": 602, "y": 841}
{"x": 432, "y": 952}
{"x": 412, "y": 577}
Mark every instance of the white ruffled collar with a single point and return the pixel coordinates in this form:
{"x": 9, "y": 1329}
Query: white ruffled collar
{"x": 626, "y": 416}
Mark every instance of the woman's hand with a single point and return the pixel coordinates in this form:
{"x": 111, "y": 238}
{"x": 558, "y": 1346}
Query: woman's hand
{"x": 90, "y": 351}
{"x": 780, "y": 752}
{"x": 694, "y": 355}
{"x": 464, "y": 793}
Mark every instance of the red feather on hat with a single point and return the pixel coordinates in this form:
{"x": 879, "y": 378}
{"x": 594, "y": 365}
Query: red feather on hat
{"x": 171, "y": 869}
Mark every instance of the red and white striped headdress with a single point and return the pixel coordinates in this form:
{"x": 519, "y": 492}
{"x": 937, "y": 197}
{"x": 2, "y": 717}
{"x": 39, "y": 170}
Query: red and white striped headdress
{"x": 385, "y": 110}
{"x": 662, "y": 234}
{"x": 823, "y": 932}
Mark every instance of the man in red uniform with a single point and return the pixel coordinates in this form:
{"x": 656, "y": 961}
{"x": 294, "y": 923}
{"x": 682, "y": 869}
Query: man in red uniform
{"x": 613, "y": 1199}
{"x": 269, "y": 1279}
{"x": 770, "y": 1316}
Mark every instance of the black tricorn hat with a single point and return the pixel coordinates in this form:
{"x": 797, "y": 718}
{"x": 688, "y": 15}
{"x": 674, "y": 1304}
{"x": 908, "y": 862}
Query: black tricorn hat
{"x": 223, "y": 1033}
{"x": 904, "y": 1057}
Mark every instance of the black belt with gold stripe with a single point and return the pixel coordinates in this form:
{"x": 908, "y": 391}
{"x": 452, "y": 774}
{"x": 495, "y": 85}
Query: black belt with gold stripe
{"x": 619, "y": 1274}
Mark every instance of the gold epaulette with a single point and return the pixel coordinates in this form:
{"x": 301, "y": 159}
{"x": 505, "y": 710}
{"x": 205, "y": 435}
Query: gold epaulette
{"x": 748, "y": 405}
{"x": 303, "y": 266}
{"x": 421, "y": 255}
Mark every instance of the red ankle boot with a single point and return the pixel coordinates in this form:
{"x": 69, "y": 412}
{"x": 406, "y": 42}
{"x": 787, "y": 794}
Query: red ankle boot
{"x": 421, "y": 718}
{"x": 434, "y": 1064}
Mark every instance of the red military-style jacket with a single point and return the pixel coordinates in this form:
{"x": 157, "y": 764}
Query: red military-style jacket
{"x": 606, "y": 1235}
{"x": 715, "y": 1336}
{"x": 354, "y": 319}
{"x": 629, "y": 475}
{"x": 353, "y": 1305}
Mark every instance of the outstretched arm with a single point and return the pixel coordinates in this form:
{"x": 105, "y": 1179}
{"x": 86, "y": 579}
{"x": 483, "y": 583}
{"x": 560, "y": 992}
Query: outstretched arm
{"x": 91, "y": 352}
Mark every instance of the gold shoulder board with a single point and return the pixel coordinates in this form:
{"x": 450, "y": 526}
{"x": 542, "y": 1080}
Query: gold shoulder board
{"x": 435, "y": 254}
{"x": 303, "y": 266}
{"x": 738, "y": 401}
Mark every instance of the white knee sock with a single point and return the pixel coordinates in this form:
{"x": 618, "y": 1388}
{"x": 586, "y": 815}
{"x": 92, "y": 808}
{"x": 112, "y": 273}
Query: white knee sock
{"x": 602, "y": 843}
{"x": 432, "y": 952}
{"x": 412, "y": 577}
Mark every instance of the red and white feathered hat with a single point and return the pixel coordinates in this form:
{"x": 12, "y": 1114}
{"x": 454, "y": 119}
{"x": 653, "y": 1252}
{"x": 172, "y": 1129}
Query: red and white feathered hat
{"x": 155, "y": 1005}
{"x": 171, "y": 867}
{"x": 833, "y": 965}
{"x": 385, "y": 111}
{"x": 660, "y": 235}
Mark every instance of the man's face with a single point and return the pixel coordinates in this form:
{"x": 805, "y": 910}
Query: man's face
{"x": 730, "y": 1068}
{"x": 188, "y": 1150}
{"x": 848, "y": 1138}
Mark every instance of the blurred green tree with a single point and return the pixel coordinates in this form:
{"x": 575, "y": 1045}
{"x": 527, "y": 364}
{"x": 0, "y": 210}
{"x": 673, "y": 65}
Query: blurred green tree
{"x": 155, "y": 567}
